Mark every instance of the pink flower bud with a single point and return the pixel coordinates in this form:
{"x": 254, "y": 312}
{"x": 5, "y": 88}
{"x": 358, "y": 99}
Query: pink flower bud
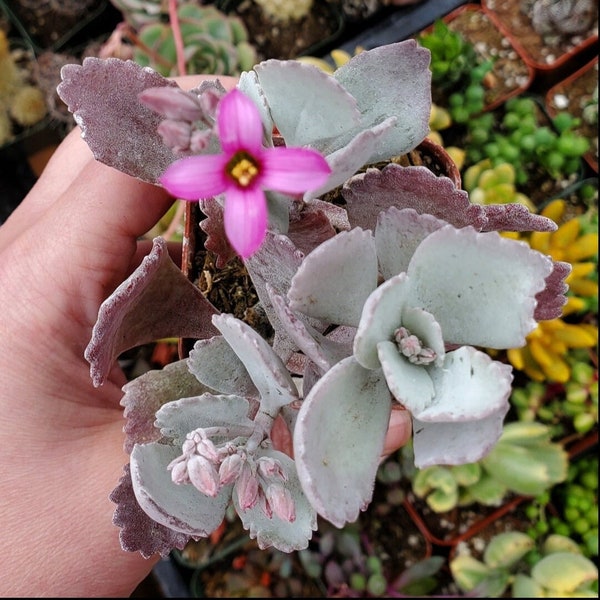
{"x": 178, "y": 468}
{"x": 246, "y": 488}
{"x": 230, "y": 469}
{"x": 281, "y": 502}
{"x": 172, "y": 103}
{"x": 203, "y": 475}
{"x": 175, "y": 134}
{"x": 270, "y": 468}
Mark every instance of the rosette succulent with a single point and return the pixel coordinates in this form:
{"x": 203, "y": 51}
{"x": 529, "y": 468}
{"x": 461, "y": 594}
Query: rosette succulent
{"x": 377, "y": 301}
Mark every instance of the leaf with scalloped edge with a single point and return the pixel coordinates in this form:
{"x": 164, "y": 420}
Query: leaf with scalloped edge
{"x": 156, "y": 301}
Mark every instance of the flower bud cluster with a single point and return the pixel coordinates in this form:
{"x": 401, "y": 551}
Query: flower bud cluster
{"x": 189, "y": 117}
{"x": 256, "y": 480}
{"x": 412, "y": 347}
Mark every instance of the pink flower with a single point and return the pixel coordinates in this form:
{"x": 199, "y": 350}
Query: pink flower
{"x": 243, "y": 171}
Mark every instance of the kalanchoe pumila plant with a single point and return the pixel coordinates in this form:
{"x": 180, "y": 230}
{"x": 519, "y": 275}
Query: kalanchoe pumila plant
{"x": 378, "y": 304}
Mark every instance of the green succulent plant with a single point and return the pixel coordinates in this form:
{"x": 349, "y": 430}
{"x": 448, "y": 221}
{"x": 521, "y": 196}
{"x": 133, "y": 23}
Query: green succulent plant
{"x": 524, "y": 461}
{"x": 518, "y": 135}
{"x": 213, "y": 42}
{"x": 494, "y": 184}
{"x": 511, "y": 560}
{"x": 140, "y": 12}
{"x": 457, "y": 71}
{"x": 285, "y": 10}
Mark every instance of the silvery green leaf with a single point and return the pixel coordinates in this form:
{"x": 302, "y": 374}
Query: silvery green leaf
{"x": 214, "y": 363}
{"x": 339, "y": 438}
{"x": 331, "y": 284}
{"x": 455, "y": 442}
{"x": 308, "y": 106}
{"x": 393, "y": 80}
{"x": 179, "y": 507}
{"x": 267, "y": 371}
{"x": 469, "y": 385}
{"x": 397, "y": 235}
{"x": 481, "y": 287}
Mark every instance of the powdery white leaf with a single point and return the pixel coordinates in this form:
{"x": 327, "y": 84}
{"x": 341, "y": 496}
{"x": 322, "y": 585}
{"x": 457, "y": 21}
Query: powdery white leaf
{"x": 392, "y": 80}
{"x": 397, "y": 235}
{"x": 455, "y": 442}
{"x": 308, "y": 106}
{"x": 215, "y": 363}
{"x": 320, "y": 286}
{"x": 469, "y": 386}
{"x": 269, "y": 374}
{"x": 182, "y": 507}
{"x": 481, "y": 287}
{"x": 339, "y": 438}
{"x": 178, "y": 418}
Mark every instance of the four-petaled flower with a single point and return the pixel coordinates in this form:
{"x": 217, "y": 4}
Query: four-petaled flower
{"x": 243, "y": 171}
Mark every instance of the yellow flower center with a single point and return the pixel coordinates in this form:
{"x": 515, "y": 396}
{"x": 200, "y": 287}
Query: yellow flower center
{"x": 242, "y": 168}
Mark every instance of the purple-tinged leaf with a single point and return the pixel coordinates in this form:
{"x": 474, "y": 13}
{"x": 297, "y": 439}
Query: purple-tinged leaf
{"x": 138, "y": 531}
{"x": 102, "y": 94}
{"x": 369, "y": 193}
{"x": 156, "y": 301}
{"x": 145, "y": 394}
{"x": 551, "y": 300}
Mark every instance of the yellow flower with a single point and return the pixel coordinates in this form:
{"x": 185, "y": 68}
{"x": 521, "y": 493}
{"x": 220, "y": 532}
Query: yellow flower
{"x": 544, "y": 355}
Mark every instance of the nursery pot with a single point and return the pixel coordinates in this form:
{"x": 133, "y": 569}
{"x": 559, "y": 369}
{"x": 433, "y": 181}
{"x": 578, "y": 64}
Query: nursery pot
{"x": 543, "y": 53}
{"x": 510, "y": 74}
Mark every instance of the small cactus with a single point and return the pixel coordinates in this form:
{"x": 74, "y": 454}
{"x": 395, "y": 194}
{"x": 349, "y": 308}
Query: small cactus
{"x": 285, "y": 10}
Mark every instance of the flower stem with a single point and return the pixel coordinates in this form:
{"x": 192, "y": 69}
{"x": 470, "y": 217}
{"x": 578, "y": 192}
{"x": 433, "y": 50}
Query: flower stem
{"x": 179, "y": 48}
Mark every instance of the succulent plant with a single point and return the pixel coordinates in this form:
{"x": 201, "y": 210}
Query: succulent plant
{"x": 512, "y": 561}
{"x": 351, "y": 339}
{"x": 141, "y": 12}
{"x": 22, "y": 103}
{"x": 494, "y": 184}
{"x": 285, "y": 10}
{"x": 563, "y": 17}
{"x": 213, "y": 43}
{"x": 536, "y": 464}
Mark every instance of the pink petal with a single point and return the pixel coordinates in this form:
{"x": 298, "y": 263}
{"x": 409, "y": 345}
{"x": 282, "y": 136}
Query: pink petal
{"x": 196, "y": 177}
{"x": 293, "y": 170}
{"x": 239, "y": 124}
{"x": 245, "y": 219}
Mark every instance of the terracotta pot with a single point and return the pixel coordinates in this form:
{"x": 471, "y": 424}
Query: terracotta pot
{"x": 510, "y": 74}
{"x": 542, "y": 53}
{"x": 572, "y": 94}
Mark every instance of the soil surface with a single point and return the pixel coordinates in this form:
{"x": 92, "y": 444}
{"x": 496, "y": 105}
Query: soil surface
{"x": 288, "y": 39}
{"x": 543, "y": 51}
{"x": 510, "y": 75}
